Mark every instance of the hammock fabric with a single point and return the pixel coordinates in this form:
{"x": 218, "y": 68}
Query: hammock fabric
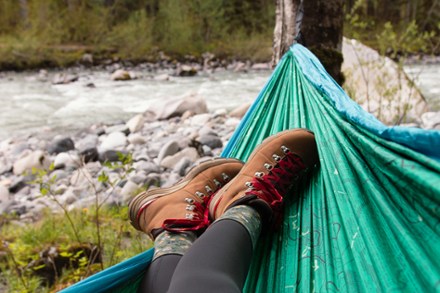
{"x": 368, "y": 219}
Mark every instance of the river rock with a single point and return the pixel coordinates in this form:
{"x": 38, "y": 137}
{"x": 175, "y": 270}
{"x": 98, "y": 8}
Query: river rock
{"x": 36, "y": 159}
{"x": 4, "y": 194}
{"x": 379, "y": 85}
{"x": 170, "y": 148}
{"x": 61, "y": 145}
{"x": 121, "y": 74}
{"x": 213, "y": 141}
{"x": 177, "y": 106}
{"x": 200, "y": 119}
{"x": 182, "y": 165}
{"x": 186, "y": 70}
{"x": 64, "y": 78}
{"x": 240, "y": 110}
{"x": 110, "y": 155}
{"x": 118, "y": 128}
{"x": 431, "y": 120}
{"x": 66, "y": 160}
{"x": 129, "y": 190}
{"x": 112, "y": 141}
{"x": 147, "y": 167}
{"x": 261, "y": 66}
{"x": 162, "y": 77}
{"x": 136, "y": 139}
{"x": 171, "y": 161}
{"x": 87, "y": 142}
{"x": 136, "y": 123}
{"x": 89, "y": 155}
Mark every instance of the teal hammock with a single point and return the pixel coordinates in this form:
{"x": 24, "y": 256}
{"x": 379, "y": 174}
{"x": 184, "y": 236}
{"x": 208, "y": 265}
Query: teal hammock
{"x": 368, "y": 219}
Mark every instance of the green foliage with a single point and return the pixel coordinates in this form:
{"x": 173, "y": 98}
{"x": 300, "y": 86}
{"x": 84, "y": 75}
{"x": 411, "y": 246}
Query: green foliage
{"x": 86, "y": 240}
{"x": 57, "y": 32}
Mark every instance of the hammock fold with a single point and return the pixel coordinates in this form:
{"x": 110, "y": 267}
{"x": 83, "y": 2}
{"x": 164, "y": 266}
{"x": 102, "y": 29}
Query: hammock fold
{"x": 368, "y": 219}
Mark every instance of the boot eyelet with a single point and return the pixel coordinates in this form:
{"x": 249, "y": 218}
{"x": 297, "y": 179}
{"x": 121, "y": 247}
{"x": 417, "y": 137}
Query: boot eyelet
{"x": 189, "y": 200}
{"x": 189, "y": 216}
{"x": 225, "y": 177}
{"x": 268, "y": 166}
{"x": 249, "y": 184}
{"x": 285, "y": 149}
{"x": 190, "y": 207}
{"x": 208, "y": 189}
{"x": 200, "y": 194}
{"x": 276, "y": 157}
{"x": 259, "y": 174}
{"x": 217, "y": 183}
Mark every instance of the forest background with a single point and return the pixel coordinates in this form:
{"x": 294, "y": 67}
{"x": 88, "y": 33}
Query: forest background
{"x": 56, "y": 33}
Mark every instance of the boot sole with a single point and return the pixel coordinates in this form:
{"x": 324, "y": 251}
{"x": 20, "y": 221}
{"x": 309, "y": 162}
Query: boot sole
{"x": 147, "y": 197}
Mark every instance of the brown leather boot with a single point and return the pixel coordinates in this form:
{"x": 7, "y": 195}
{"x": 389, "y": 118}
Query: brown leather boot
{"x": 182, "y": 206}
{"x": 270, "y": 170}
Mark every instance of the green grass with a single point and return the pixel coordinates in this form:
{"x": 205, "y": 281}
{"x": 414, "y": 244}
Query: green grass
{"x": 23, "y": 243}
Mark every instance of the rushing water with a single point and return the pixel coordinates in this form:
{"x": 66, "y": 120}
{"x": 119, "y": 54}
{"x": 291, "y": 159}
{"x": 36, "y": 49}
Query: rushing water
{"x": 28, "y": 104}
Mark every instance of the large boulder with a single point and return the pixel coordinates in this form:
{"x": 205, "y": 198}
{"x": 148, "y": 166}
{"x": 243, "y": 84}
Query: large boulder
{"x": 177, "y": 106}
{"x": 36, "y": 159}
{"x": 379, "y": 85}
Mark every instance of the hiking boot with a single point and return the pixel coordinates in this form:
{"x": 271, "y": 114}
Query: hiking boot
{"x": 270, "y": 170}
{"x": 182, "y": 207}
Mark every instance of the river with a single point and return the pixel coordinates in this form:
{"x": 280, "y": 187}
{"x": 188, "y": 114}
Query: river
{"x": 30, "y": 104}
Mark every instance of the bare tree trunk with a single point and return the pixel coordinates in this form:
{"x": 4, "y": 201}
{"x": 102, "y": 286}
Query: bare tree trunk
{"x": 285, "y": 31}
{"x": 321, "y": 30}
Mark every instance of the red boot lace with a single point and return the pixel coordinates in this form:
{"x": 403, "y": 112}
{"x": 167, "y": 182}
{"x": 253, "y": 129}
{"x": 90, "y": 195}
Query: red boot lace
{"x": 272, "y": 186}
{"x": 197, "y": 222}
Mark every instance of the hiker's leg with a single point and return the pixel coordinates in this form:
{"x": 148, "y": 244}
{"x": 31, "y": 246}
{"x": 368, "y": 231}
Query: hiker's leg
{"x": 219, "y": 260}
{"x": 158, "y": 276}
{"x": 168, "y": 250}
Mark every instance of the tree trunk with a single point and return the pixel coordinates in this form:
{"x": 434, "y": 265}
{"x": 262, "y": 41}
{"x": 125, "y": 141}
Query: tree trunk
{"x": 321, "y": 31}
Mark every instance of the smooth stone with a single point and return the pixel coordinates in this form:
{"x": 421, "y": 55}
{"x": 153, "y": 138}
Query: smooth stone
{"x": 63, "y": 160}
{"x": 135, "y": 124}
{"x": 181, "y": 166}
{"x": 81, "y": 177}
{"x": 112, "y": 141}
{"x": 200, "y": 119}
{"x": 120, "y": 75}
{"x": 240, "y": 111}
{"x": 177, "y": 106}
{"x": 170, "y": 180}
{"x": 117, "y": 128}
{"x": 169, "y": 149}
{"x": 212, "y": 141}
{"x": 61, "y": 145}
{"x": 206, "y": 130}
{"x": 431, "y": 120}
{"x": 153, "y": 180}
{"x": 4, "y": 194}
{"x": 129, "y": 190}
{"x": 64, "y": 78}
{"x": 232, "y": 122}
{"x": 89, "y": 155}
{"x": 110, "y": 156}
{"x": 59, "y": 174}
{"x": 186, "y": 70}
{"x": 36, "y": 159}
{"x": 162, "y": 77}
{"x": 171, "y": 161}
{"x": 207, "y": 151}
{"x": 136, "y": 138}
{"x": 68, "y": 197}
{"x": 147, "y": 167}
{"x": 139, "y": 178}
{"x": 87, "y": 142}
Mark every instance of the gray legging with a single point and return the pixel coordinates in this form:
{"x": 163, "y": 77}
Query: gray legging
{"x": 218, "y": 261}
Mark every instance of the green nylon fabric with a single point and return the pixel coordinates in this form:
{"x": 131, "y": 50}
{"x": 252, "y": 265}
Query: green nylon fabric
{"x": 367, "y": 219}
